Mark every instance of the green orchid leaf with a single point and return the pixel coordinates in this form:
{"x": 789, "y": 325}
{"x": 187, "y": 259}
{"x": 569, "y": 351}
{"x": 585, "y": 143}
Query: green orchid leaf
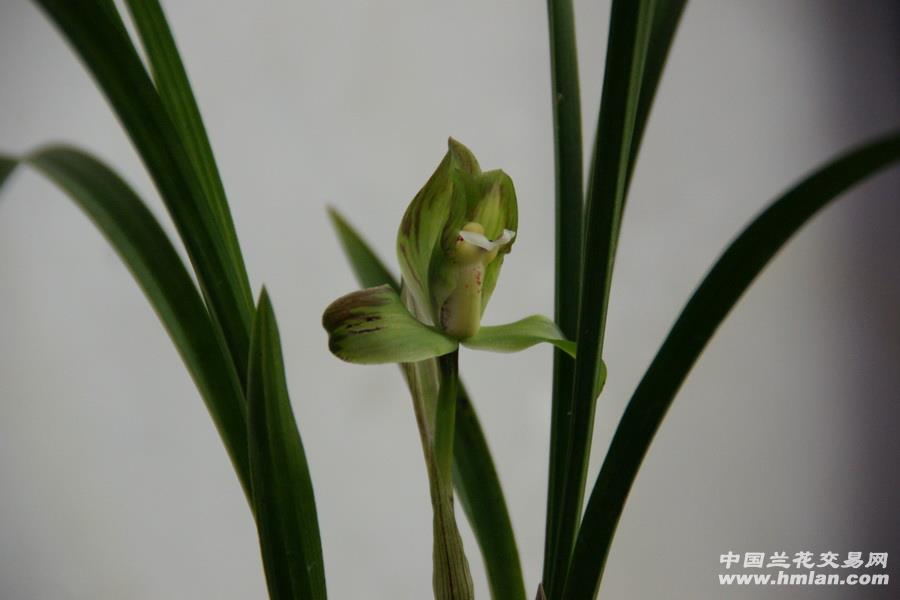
{"x": 481, "y": 497}
{"x": 7, "y": 166}
{"x": 520, "y": 335}
{"x": 569, "y": 209}
{"x": 710, "y": 304}
{"x": 139, "y": 240}
{"x": 174, "y": 87}
{"x": 373, "y": 326}
{"x": 283, "y": 498}
{"x": 666, "y": 15}
{"x": 369, "y": 270}
{"x": 629, "y": 36}
{"x": 99, "y": 37}
{"x": 666, "y": 18}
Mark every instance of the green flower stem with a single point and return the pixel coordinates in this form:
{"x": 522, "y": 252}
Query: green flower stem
{"x": 452, "y": 580}
{"x": 445, "y": 417}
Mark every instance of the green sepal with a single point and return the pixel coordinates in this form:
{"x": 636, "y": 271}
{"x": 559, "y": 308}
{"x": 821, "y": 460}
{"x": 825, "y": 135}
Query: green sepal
{"x": 372, "y": 326}
{"x": 456, "y": 194}
{"x": 519, "y": 335}
{"x": 440, "y": 203}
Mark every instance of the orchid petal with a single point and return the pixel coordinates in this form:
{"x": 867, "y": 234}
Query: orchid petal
{"x": 519, "y": 335}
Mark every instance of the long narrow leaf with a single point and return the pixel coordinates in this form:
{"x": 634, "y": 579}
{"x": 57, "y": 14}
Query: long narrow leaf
{"x": 98, "y": 35}
{"x": 629, "y": 30}
{"x": 367, "y": 268}
{"x": 720, "y": 290}
{"x": 175, "y": 92}
{"x": 666, "y": 17}
{"x": 282, "y": 489}
{"x": 608, "y": 204}
{"x": 567, "y": 145}
{"x": 478, "y": 489}
{"x": 474, "y": 474}
{"x": 144, "y": 248}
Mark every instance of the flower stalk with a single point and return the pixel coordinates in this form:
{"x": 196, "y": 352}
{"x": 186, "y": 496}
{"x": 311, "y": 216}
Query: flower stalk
{"x": 451, "y": 579}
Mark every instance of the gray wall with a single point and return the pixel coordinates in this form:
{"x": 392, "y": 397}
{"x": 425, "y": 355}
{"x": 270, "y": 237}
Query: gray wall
{"x": 114, "y": 484}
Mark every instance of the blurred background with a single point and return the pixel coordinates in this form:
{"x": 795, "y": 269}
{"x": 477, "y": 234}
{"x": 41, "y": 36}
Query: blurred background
{"x": 785, "y": 437}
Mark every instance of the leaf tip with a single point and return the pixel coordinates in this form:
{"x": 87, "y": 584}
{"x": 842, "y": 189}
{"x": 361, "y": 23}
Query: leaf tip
{"x": 264, "y": 302}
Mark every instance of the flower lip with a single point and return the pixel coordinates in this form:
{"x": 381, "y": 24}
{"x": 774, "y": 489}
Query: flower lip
{"x": 480, "y": 240}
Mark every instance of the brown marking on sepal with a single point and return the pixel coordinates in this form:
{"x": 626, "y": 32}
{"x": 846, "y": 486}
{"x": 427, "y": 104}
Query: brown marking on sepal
{"x": 343, "y": 309}
{"x": 362, "y": 331}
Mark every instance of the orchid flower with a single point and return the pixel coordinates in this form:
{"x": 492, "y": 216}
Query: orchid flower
{"x": 451, "y": 244}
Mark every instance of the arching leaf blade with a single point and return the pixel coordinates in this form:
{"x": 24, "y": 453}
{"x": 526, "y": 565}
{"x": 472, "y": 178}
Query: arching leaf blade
{"x": 367, "y": 267}
{"x": 717, "y": 294}
{"x": 666, "y": 18}
{"x": 139, "y": 240}
{"x": 176, "y": 94}
{"x": 97, "y": 34}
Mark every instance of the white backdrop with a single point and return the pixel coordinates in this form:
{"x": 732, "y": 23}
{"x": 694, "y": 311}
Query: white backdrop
{"x": 114, "y": 484}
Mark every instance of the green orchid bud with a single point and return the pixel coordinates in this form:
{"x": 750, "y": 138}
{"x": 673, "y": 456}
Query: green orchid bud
{"x": 452, "y": 240}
